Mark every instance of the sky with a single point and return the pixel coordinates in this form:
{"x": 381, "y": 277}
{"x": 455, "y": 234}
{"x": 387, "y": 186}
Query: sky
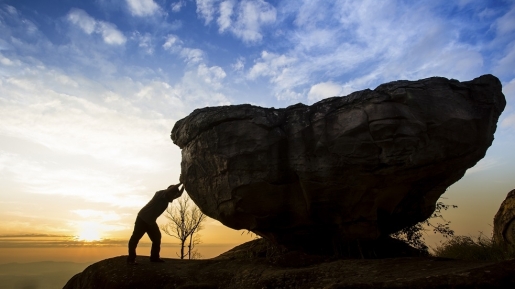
{"x": 90, "y": 90}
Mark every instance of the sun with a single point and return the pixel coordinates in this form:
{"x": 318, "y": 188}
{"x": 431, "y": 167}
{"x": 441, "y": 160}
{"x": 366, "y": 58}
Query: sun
{"x": 89, "y": 232}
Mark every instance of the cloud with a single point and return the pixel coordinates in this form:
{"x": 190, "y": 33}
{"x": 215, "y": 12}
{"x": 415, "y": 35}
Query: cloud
{"x": 362, "y": 44}
{"x": 206, "y": 9}
{"x": 96, "y": 215}
{"x": 177, "y": 6}
{"x": 189, "y": 55}
{"x": 507, "y": 62}
{"x": 83, "y": 183}
{"x": 97, "y": 150}
{"x": 43, "y": 118}
{"x": 110, "y": 34}
{"x": 8, "y": 62}
{"x": 270, "y": 64}
{"x": 484, "y": 164}
{"x": 508, "y": 121}
{"x": 226, "y": 11}
{"x": 251, "y": 16}
{"x": 144, "y": 41}
{"x": 211, "y": 75}
{"x": 203, "y": 86}
{"x": 280, "y": 70}
{"x": 506, "y": 23}
{"x": 142, "y": 7}
{"x": 244, "y": 19}
{"x": 32, "y": 235}
{"x": 87, "y": 141}
{"x": 172, "y": 43}
{"x": 82, "y": 19}
{"x": 323, "y": 90}
{"x": 192, "y": 55}
{"x": 59, "y": 241}
{"x": 95, "y": 139}
{"x": 71, "y": 241}
{"x": 509, "y": 91}
{"x": 239, "y": 65}
{"x": 11, "y": 9}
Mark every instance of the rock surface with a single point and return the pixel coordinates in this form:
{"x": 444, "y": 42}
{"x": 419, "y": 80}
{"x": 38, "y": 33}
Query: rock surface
{"x": 504, "y": 221}
{"x": 346, "y": 168}
{"x": 247, "y": 266}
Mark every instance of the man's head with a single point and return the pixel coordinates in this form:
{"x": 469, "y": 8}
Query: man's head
{"x": 173, "y": 192}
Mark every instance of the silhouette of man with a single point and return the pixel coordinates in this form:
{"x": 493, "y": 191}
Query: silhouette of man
{"x": 146, "y": 222}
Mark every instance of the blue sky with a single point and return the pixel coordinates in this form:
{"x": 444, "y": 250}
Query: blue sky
{"x": 90, "y": 90}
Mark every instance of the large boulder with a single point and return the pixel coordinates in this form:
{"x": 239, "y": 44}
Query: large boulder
{"x": 347, "y": 168}
{"x": 504, "y": 221}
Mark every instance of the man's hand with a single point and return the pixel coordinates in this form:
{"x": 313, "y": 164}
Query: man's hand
{"x": 171, "y": 187}
{"x": 174, "y": 192}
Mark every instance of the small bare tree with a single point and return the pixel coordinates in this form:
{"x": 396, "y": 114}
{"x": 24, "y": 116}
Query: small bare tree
{"x": 185, "y": 220}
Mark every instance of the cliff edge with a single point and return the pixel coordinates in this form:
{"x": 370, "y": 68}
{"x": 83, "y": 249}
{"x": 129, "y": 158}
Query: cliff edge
{"x": 252, "y": 265}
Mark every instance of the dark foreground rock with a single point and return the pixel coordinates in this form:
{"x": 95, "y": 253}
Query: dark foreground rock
{"x": 346, "y": 168}
{"x": 504, "y": 221}
{"x": 247, "y": 267}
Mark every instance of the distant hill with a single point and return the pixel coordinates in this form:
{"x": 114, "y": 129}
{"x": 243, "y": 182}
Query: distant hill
{"x": 38, "y": 275}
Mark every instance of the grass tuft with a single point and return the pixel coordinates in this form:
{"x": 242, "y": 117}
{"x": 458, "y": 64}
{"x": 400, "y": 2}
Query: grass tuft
{"x": 481, "y": 249}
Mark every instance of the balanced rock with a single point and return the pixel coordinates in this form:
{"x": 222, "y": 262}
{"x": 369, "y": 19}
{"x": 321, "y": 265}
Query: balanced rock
{"x": 504, "y": 221}
{"x": 347, "y": 168}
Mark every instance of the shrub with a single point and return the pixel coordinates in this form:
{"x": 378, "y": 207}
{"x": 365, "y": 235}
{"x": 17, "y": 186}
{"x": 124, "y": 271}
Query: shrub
{"x": 413, "y": 235}
{"x": 481, "y": 249}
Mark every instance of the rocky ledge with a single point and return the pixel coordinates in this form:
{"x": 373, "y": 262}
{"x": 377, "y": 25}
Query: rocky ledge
{"x": 345, "y": 169}
{"x": 504, "y": 221}
{"x": 252, "y": 265}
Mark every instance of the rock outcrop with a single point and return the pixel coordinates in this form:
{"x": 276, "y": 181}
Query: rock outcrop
{"x": 356, "y": 167}
{"x": 243, "y": 268}
{"x": 504, "y": 221}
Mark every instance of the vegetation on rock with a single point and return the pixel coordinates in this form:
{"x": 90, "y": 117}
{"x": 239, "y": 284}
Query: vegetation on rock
{"x": 482, "y": 248}
{"x": 414, "y": 235}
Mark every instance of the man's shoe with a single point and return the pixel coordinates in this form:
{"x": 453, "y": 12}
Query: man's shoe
{"x": 157, "y": 260}
{"x": 132, "y": 262}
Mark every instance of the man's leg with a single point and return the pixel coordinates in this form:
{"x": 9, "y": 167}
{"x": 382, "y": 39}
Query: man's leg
{"x": 139, "y": 231}
{"x": 154, "y": 234}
